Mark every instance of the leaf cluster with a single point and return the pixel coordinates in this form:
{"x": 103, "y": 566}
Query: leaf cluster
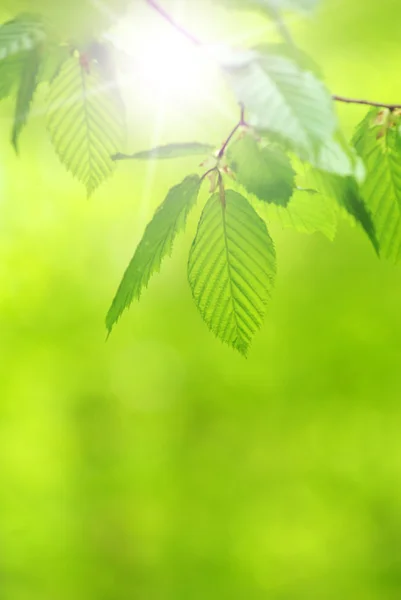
{"x": 285, "y": 159}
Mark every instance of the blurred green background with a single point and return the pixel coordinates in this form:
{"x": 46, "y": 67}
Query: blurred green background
{"x": 160, "y": 465}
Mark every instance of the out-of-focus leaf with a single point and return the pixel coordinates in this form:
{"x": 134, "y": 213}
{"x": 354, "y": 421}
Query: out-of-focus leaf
{"x": 265, "y": 172}
{"x": 346, "y": 192}
{"x": 301, "y": 58}
{"x": 75, "y": 20}
{"x": 27, "y": 86}
{"x": 334, "y": 157}
{"x": 22, "y": 34}
{"x": 231, "y": 269}
{"x": 157, "y": 242}
{"x": 18, "y": 39}
{"x": 168, "y": 151}
{"x": 308, "y": 212}
{"x": 10, "y": 73}
{"x": 54, "y": 56}
{"x": 283, "y": 100}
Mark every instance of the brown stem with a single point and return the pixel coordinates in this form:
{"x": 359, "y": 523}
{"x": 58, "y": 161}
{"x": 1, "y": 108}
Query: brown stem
{"x": 241, "y": 123}
{"x": 228, "y": 140}
{"x": 367, "y": 102}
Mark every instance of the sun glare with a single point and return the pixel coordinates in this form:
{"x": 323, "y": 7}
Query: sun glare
{"x": 166, "y": 62}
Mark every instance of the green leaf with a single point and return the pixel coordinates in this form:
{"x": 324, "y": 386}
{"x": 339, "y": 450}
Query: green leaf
{"x": 77, "y": 20}
{"x": 157, "y": 242}
{"x": 336, "y": 158}
{"x": 301, "y": 58}
{"x": 346, "y": 192}
{"x": 10, "y": 73}
{"x": 168, "y": 151}
{"x": 380, "y": 150}
{"x": 86, "y": 121}
{"x": 308, "y": 212}
{"x": 283, "y": 100}
{"x": 265, "y": 172}
{"x": 19, "y": 39}
{"x": 22, "y": 34}
{"x": 231, "y": 269}
{"x": 27, "y": 87}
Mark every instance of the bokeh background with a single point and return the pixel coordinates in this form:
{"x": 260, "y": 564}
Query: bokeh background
{"x": 160, "y": 465}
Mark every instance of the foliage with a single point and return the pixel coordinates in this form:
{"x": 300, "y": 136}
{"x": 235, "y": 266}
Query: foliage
{"x": 284, "y": 159}
{"x": 157, "y": 242}
{"x": 231, "y": 268}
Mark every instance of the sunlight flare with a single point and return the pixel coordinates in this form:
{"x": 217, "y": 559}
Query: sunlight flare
{"x": 165, "y": 61}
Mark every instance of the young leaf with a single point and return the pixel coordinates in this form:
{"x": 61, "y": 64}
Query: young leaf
{"x": 380, "y": 150}
{"x": 231, "y": 269}
{"x": 282, "y": 99}
{"x": 27, "y": 86}
{"x": 85, "y": 121}
{"x": 265, "y": 172}
{"x": 346, "y": 192}
{"x": 168, "y": 151}
{"x": 157, "y": 242}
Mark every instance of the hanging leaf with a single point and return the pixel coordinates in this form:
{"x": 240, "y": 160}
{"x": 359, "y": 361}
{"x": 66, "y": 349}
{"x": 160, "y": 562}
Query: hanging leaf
{"x": 380, "y": 149}
{"x": 345, "y": 191}
{"x": 308, "y": 211}
{"x": 157, "y": 242}
{"x": 283, "y": 100}
{"x": 85, "y": 121}
{"x": 168, "y": 151}
{"x": 10, "y": 73}
{"x": 231, "y": 269}
{"x": 336, "y": 158}
{"x": 78, "y": 20}
{"x": 20, "y": 41}
{"x": 27, "y": 86}
{"x": 22, "y": 34}
{"x": 265, "y": 172}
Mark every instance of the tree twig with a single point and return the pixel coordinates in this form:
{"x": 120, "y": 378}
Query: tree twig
{"x": 167, "y": 17}
{"x": 347, "y": 100}
{"x": 241, "y": 123}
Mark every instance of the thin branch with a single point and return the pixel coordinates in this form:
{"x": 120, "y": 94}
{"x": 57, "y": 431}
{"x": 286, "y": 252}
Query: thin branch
{"x": 167, "y": 17}
{"x": 367, "y": 102}
{"x": 228, "y": 140}
{"x": 241, "y": 123}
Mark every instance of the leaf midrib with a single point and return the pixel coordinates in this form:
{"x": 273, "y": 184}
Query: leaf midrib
{"x": 225, "y": 236}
